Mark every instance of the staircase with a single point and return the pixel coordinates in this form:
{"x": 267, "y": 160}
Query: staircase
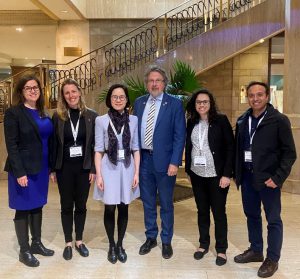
{"x": 204, "y": 32}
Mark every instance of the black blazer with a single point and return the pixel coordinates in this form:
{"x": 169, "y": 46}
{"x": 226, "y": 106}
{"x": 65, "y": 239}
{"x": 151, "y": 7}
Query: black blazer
{"x": 23, "y": 142}
{"x": 221, "y": 144}
{"x": 57, "y": 148}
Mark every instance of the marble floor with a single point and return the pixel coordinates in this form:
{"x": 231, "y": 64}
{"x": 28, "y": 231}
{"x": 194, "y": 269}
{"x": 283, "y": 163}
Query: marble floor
{"x": 181, "y": 265}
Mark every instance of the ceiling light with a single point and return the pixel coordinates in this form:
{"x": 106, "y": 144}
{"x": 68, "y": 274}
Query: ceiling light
{"x": 19, "y": 29}
{"x": 64, "y": 11}
{"x": 261, "y": 41}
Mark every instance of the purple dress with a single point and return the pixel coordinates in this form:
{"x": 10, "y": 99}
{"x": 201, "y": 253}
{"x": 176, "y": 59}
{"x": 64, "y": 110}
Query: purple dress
{"x": 36, "y": 193}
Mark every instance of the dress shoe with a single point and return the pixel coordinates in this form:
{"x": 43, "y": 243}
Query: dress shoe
{"x": 167, "y": 251}
{"x": 147, "y": 246}
{"x": 37, "y": 247}
{"x": 122, "y": 256}
{"x": 68, "y": 254}
{"x": 198, "y": 255}
{"x": 220, "y": 261}
{"x": 82, "y": 250}
{"x": 28, "y": 259}
{"x": 267, "y": 269}
{"x": 249, "y": 256}
{"x": 112, "y": 255}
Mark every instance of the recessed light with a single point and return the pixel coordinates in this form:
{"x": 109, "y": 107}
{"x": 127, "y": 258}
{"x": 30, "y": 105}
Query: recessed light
{"x": 261, "y": 41}
{"x": 19, "y": 29}
{"x": 26, "y": 58}
{"x": 64, "y": 11}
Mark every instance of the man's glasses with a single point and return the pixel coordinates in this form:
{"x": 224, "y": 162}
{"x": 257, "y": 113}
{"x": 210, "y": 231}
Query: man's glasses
{"x": 204, "y": 102}
{"x": 156, "y": 81}
{"x": 29, "y": 88}
{"x": 121, "y": 98}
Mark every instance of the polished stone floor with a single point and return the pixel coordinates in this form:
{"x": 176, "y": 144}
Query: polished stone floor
{"x": 181, "y": 265}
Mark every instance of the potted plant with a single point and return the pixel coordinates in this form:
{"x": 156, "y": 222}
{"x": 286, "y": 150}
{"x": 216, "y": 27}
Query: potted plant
{"x": 183, "y": 82}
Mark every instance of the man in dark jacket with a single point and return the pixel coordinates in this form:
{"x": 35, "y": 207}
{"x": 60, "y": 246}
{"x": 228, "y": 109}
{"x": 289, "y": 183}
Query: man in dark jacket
{"x": 265, "y": 153}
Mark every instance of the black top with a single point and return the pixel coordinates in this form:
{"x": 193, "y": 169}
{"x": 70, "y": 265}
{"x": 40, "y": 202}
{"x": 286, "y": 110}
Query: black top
{"x": 68, "y": 136}
{"x": 221, "y": 144}
{"x": 246, "y": 137}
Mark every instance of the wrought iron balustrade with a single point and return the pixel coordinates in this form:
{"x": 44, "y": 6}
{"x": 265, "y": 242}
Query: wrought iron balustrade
{"x": 139, "y": 46}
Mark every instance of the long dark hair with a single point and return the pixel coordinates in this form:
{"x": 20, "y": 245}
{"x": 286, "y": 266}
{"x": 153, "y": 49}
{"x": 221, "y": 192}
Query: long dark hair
{"x": 193, "y": 115}
{"x": 40, "y": 103}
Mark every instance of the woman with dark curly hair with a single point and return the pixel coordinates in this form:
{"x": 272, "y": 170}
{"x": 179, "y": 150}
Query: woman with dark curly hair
{"x": 27, "y": 130}
{"x": 208, "y": 164}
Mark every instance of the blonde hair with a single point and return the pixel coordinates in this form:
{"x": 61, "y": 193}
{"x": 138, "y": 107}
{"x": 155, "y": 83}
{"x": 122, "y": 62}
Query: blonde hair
{"x": 62, "y": 105}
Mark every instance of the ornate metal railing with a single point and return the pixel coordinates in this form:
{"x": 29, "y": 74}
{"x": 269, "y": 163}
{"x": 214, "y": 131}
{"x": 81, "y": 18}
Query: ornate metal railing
{"x": 141, "y": 45}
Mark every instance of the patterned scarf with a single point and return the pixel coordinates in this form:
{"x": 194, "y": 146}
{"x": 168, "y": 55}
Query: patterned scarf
{"x": 118, "y": 120}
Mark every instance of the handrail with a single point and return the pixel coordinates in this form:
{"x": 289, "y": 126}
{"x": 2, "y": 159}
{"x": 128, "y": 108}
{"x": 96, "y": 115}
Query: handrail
{"x": 97, "y": 49}
{"x": 143, "y": 44}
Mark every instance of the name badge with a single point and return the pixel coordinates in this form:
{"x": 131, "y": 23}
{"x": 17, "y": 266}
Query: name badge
{"x": 200, "y": 161}
{"x": 248, "y": 156}
{"x": 75, "y": 151}
{"x": 121, "y": 154}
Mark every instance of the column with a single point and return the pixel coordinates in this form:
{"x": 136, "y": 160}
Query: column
{"x": 291, "y": 101}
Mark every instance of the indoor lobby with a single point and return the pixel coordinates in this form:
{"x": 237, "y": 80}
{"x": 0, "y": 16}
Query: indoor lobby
{"x": 92, "y": 41}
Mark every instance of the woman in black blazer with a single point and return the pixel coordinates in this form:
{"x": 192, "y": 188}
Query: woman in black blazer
{"x": 73, "y": 161}
{"x": 208, "y": 164}
{"x": 27, "y": 130}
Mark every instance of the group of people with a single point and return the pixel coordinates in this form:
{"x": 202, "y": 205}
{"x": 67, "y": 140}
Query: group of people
{"x": 129, "y": 156}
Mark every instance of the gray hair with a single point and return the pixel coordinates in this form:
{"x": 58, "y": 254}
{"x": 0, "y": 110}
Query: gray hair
{"x": 156, "y": 68}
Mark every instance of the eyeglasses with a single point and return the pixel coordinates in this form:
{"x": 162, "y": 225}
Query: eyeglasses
{"x": 29, "y": 88}
{"x": 155, "y": 81}
{"x": 204, "y": 102}
{"x": 116, "y": 97}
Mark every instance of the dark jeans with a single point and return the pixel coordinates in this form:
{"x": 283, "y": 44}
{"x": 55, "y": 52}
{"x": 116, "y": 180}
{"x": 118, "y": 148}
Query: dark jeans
{"x": 271, "y": 200}
{"x": 73, "y": 184}
{"x": 208, "y": 195}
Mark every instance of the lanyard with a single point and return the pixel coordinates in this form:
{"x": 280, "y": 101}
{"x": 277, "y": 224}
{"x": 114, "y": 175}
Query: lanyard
{"x": 202, "y": 136}
{"x": 76, "y": 129}
{"x": 115, "y": 131}
{"x": 250, "y": 122}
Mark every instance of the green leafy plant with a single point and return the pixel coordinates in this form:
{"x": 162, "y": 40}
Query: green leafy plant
{"x": 183, "y": 82}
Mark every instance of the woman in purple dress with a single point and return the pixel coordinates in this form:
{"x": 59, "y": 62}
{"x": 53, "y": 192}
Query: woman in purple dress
{"x": 27, "y": 129}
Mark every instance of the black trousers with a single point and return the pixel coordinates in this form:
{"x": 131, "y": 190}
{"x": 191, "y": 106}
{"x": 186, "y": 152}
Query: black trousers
{"x": 73, "y": 184}
{"x": 208, "y": 195}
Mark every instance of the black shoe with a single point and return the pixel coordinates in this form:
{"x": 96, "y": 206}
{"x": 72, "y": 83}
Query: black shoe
{"x": 220, "y": 261}
{"x": 28, "y": 259}
{"x": 82, "y": 250}
{"x": 68, "y": 254}
{"x": 198, "y": 255}
{"x": 167, "y": 251}
{"x": 122, "y": 256}
{"x": 37, "y": 247}
{"x": 267, "y": 269}
{"x": 147, "y": 246}
{"x": 249, "y": 256}
{"x": 111, "y": 255}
